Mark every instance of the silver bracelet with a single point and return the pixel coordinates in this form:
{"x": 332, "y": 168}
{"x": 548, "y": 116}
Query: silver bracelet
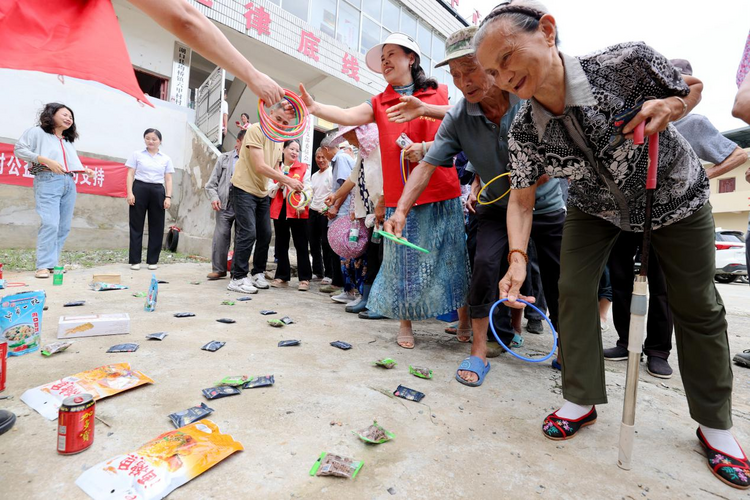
{"x": 684, "y": 107}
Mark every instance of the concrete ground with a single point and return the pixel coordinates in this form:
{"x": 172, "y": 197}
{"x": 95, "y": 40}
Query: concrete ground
{"x": 460, "y": 442}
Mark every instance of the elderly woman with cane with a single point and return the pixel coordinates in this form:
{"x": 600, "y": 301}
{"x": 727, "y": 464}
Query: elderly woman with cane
{"x": 577, "y": 123}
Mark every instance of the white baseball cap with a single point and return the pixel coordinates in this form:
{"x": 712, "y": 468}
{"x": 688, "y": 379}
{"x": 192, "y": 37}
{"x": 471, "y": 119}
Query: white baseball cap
{"x": 372, "y": 59}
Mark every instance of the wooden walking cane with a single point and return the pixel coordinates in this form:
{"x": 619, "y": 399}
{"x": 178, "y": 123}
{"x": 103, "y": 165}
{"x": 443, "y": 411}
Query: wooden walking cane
{"x": 638, "y": 307}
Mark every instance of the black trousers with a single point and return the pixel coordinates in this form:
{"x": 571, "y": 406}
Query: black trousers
{"x": 252, "y": 226}
{"x": 491, "y": 263}
{"x": 659, "y": 321}
{"x": 319, "y": 247}
{"x": 374, "y": 260}
{"x": 298, "y": 230}
{"x": 149, "y": 199}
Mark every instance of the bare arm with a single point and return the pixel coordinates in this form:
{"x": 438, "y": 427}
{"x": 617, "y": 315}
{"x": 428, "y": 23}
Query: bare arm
{"x": 734, "y": 160}
{"x": 168, "y": 190}
{"x": 258, "y": 163}
{"x": 520, "y": 214}
{"x": 411, "y": 108}
{"x": 358, "y": 115}
{"x": 340, "y": 194}
{"x": 415, "y": 186}
{"x": 189, "y": 25}
{"x": 129, "y": 185}
{"x": 741, "y": 107}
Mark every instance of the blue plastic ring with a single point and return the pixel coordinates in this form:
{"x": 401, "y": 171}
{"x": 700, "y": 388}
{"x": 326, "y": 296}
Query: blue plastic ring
{"x": 508, "y": 349}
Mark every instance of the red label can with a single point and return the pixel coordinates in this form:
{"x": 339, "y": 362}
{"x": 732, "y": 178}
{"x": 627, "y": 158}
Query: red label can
{"x": 1, "y": 270}
{"x": 3, "y": 361}
{"x": 75, "y": 424}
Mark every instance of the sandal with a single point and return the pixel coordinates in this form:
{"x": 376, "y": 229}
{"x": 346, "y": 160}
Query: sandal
{"x": 559, "y": 429}
{"x": 41, "y": 273}
{"x": 303, "y": 286}
{"x": 731, "y": 470}
{"x": 405, "y": 338}
{"x": 463, "y": 335}
{"x": 452, "y": 329}
{"x": 473, "y": 364}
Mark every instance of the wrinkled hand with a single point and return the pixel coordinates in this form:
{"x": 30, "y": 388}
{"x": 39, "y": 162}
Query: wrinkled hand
{"x": 408, "y": 109}
{"x": 380, "y": 213}
{"x": 510, "y": 286}
{"x": 312, "y": 106}
{"x": 167, "y": 203}
{"x": 332, "y": 213}
{"x": 395, "y": 224}
{"x": 413, "y": 153}
{"x": 131, "y": 199}
{"x": 656, "y": 113}
{"x": 747, "y": 175}
{"x": 330, "y": 200}
{"x": 264, "y": 87}
{"x": 216, "y": 205}
{"x": 55, "y": 167}
{"x": 294, "y": 184}
{"x": 471, "y": 202}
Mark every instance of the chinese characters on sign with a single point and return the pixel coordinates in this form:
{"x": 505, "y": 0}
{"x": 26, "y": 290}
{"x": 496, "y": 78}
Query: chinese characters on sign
{"x": 207, "y": 3}
{"x": 351, "y": 67}
{"x": 475, "y": 17}
{"x": 108, "y": 180}
{"x": 454, "y": 3}
{"x": 258, "y": 19}
{"x": 308, "y": 45}
{"x": 180, "y": 74}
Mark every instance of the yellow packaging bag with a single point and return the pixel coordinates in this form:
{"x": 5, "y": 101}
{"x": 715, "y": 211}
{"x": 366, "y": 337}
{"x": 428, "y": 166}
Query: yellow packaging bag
{"x": 160, "y": 466}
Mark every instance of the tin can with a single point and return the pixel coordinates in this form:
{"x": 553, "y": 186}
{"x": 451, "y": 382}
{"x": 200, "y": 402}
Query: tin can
{"x": 3, "y": 361}
{"x": 1, "y": 270}
{"x": 230, "y": 258}
{"x": 57, "y": 275}
{"x": 75, "y": 424}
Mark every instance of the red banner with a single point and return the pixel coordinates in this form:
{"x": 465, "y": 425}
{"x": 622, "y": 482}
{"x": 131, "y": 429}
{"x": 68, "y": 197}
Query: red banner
{"x": 108, "y": 180}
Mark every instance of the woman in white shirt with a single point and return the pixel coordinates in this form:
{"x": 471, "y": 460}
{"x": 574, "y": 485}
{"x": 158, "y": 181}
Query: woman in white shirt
{"x": 149, "y": 186}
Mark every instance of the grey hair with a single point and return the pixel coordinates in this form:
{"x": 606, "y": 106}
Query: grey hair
{"x": 328, "y": 139}
{"x": 278, "y": 105}
{"x": 523, "y": 15}
{"x": 319, "y": 150}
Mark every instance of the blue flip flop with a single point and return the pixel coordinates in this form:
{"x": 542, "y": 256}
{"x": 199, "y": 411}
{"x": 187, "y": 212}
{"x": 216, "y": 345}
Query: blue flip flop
{"x": 475, "y": 365}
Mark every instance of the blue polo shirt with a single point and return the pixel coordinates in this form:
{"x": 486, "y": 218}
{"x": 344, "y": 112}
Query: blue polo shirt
{"x": 466, "y": 128}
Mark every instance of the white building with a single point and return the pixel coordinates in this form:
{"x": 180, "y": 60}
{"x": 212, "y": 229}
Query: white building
{"x": 320, "y": 43}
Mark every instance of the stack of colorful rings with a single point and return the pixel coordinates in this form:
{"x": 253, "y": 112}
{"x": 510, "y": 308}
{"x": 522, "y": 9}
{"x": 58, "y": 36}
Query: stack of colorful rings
{"x": 404, "y": 168}
{"x": 302, "y": 199}
{"x": 479, "y": 195}
{"x": 278, "y": 132}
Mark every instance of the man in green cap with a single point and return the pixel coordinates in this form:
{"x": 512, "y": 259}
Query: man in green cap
{"x": 478, "y": 125}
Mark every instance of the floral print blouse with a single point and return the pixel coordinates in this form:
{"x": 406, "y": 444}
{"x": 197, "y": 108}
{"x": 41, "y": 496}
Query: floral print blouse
{"x": 608, "y": 177}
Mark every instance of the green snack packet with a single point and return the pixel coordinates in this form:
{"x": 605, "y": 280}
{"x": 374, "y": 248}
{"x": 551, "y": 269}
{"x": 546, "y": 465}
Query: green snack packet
{"x": 420, "y": 372}
{"x": 385, "y": 363}
{"x": 227, "y": 303}
{"x": 329, "y": 464}
{"x": 54, "y": 347}
{"x": 276, "y": 323}
{"x": 234, "y": 381}
{"x": 139, "y": 294}
{"x": 374, "y": 434}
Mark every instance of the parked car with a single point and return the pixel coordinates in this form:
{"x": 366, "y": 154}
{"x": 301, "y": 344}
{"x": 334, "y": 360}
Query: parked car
{"x": 730, "y": 256}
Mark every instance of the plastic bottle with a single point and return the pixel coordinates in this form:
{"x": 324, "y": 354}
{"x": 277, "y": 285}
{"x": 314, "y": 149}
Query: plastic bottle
{"x": 57, "y": 275}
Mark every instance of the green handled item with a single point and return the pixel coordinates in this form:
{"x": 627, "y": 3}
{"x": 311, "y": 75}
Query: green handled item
{"x": 400, "y": 241}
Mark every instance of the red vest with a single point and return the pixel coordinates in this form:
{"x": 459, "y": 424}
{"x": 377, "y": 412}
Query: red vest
{"x": 296, "y": 171}
{"x": 444, "y": 183}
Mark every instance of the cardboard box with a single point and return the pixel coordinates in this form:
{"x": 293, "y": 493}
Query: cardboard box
{"x": 92, "y": 325}
{"x": 106, "y": 278}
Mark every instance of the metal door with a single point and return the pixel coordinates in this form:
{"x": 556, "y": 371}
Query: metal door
{"x": 208, "y": 105}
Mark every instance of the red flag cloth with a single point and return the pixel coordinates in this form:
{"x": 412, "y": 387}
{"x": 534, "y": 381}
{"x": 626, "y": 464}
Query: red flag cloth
{"x": 76, "y": 38}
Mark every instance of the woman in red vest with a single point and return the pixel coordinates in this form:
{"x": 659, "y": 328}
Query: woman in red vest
{"x": 411, "y": 285}
{"x": 288, "y": 219}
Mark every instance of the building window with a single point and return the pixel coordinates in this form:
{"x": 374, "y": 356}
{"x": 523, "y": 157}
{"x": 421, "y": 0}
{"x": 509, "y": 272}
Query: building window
{"x": 324, "y": 16}
{"x": 296, "y": 7}
{"x": 372, "y": 8}
{"x": 409, "y": 24}
{"x": 152, "y": 85}
{"x": 370, "y": 34}
{"x": 348, "y": 26}
{"x": 727, "y": 185}
{"x": 390, "y": 15}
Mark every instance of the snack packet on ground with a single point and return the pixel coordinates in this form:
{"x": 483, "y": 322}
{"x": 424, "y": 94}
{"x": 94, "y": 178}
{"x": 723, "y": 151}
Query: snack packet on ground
{"x": 184, "y": 315}
{"x": 101, "y": 382}
{"x": 139, "y": 295}
{"x": 266, "y": 312}
{"x": 226, "y": 320}
{"x": 55, "y": 347}
{"x": 213, "y": 346}
{"x": 374, "y": 434}
{"x": 156, "y": 336}
{"x": 420, "y": 372}
{"x": 21, "y": 321}
{"x": 100, "y": 286}
{"x": 123, "y": 348}
{"x": 263, "y": 381}
{"x": 329, "y": 464}
{"x": 220, "y": 392}
{"x": 77, "y": 303}
{"x": 243, "y": 299}
{"x": 341, "y": 345}
{"x": 287, "y": 320}
{"x": 276, "y": 323}
{"x": 410, "y": 394}
{"x": 288, "y": 343}
{"x": 153, "y": 292}
{"x": 385, "y": 363}
{"x": 160, "y": 466}
{"x": 234, "y": 381}
{"x": 185, "y": 417}
{"x": 227, "y": 302}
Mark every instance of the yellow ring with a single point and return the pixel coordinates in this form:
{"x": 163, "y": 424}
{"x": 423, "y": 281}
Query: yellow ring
{"x": 479, "y": 195}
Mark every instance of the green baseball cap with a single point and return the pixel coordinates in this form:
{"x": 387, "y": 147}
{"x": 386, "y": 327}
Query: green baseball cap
{"x": 459, "y": 44}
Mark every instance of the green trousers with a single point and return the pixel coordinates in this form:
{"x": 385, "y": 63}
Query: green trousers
{"x": 686, "y": 252}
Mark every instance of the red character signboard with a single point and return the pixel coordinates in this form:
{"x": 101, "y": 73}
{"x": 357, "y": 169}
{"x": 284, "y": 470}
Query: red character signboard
{"x": 308, "y": 45}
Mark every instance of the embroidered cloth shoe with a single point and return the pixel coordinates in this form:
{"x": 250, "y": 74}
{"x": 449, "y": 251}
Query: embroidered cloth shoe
{"x": 734, "y": 471}
{"x": 558, "y": 428}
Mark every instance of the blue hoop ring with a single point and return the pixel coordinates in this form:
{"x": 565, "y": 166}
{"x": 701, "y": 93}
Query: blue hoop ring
{"x": 524, "y": 358}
